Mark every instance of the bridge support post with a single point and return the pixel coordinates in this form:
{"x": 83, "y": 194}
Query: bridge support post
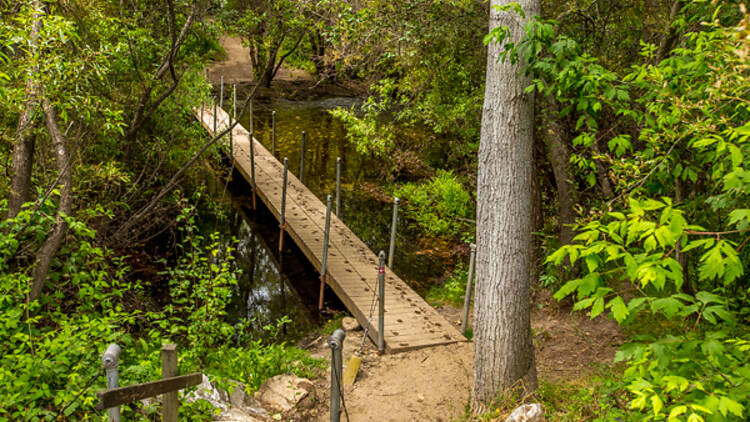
{"x": 336, "y": 343}
{"x": 324, "y": 261}
{"x": 381, "y": 303}
{"x": 282, "y": 219}
{"x": 467, "y": 298}
{"x": 338, "y": 187}
{"x": 110, "y": 361}
{"x": 302, "y": 159}
{"x": 273, "y": 133}
{"x": 252, "y": 165}
{"x": 394, "y": 223}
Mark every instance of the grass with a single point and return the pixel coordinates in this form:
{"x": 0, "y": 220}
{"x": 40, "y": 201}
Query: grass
{"x": 452, "y": 291}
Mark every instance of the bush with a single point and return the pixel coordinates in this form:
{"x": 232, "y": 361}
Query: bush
{"x": 441, "y": 207}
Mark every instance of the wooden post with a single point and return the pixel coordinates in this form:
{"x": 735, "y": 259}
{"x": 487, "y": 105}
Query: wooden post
{"x": 170, "y": 404}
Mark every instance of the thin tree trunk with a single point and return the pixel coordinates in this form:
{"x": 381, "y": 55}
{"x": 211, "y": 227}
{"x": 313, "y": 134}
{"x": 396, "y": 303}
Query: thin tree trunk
{"x": 503, "y": 351}
{"x": 23, "y": 150}
{"x": 559, "y": 157}
{"x": 601, "y": 173}
{"x": 670, "y": 32}
{"x": 65, "y": 207}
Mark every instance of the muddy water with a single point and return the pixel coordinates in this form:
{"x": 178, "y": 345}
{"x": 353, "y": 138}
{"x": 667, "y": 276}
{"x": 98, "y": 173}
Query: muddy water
{"x": 274, "y": 285}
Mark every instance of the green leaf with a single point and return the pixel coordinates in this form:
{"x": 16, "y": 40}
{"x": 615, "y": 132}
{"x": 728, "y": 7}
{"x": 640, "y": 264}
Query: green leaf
{"x": 727, "y": 405}
{"x": 619, "y": 309}
{"x": 657, "y": 404}
{"x": 598, "y": 307}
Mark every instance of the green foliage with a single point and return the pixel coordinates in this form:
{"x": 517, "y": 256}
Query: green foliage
{"x": 50, "y": 350}
{"x": 440, "y": 207}
{"x": 693, "y": 129}
{"x": 453, "y": 290}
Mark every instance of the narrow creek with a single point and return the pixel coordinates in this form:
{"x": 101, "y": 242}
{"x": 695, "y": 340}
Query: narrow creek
{"x": 273, "y": 286}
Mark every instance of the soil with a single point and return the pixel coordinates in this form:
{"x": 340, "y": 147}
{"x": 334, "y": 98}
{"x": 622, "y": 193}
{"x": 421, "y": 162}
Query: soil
{"x": 291, "y": 84}
{"x": 434, "y": 384}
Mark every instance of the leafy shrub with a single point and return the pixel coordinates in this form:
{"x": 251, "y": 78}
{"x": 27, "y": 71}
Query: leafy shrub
{"x": 453, "y": 290}
{"x": 441, "y": 207}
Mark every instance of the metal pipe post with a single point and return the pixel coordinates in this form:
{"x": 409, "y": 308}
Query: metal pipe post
{"x": 394, "y": 223}
{"x": 302, "y": 159}
{"x": 233, "y": 119}
{"x": 338, "y": 187}
{"x": 336, "y": 343}
{"x": 110, "y": 360}
{"x": 282, "y": 219}
{"x": 221, "y": 92}
{"x": 203, "y": 105}
{"x": 381, "y": 302}
{"x": 252, "y": 165}
{"x": 273, "y": 133}
{"x": 469, "y": 283}
{"x": 215, "y": 111}
{"x": 324, "y": 261}
{"x": 252, "y": 125}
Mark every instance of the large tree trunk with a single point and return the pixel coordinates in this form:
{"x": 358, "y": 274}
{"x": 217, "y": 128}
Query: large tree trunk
{"x": 65, "y": 206}
{"x": 23, "y": 150}
{"x": 503, "y": 351}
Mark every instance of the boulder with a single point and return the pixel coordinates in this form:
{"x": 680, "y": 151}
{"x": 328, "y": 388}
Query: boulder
{"x": 285, "y": 392}
{"x": 350, "y": 324}
{"x": 527, "y": 413}
{"x": 236, "y": 406}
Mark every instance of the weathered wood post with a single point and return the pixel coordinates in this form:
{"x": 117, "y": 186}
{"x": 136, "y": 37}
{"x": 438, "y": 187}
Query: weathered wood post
{"x": 338, "y": 187}
{"x": 302, "y": 159}
{"x": 381, "y": 302}
{"x": 170, "y": 403}
{"x": 469, "y": 284}
{"x": 336, "y": 343}
{"x": 394, "y": 223}
{"x": 252, "y": 165}
{"x": 110, "y": 360}
{"x": 282, "y": 219}
{"x": 324, "y": 261}
{"x": 273, "y": 133}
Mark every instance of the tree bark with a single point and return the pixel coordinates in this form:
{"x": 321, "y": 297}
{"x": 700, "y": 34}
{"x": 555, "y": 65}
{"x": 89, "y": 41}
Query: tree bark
{"x": 503, "y": 350}
{"x": 670, "y": 32}
{"x": 65, "y": 207}
{"x": 559, "y": 157}
{"x": 23, "y": 150}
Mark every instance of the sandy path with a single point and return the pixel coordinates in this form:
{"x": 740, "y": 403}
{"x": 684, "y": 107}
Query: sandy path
{"x": 237, "y": 67}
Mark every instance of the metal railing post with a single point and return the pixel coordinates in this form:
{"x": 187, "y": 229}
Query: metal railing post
{"x": 252, "y": 165}
{"x": 221, "y": 92}
{"x": 273, "y": 133}
{"x": 336, "y": 343}
{"x": 469, "y": 283}
{"x": 394, "y": 223}
{"x": 110, "y": 360}
{"x": 282, "y": 219}
{"x": 338, "y": 187}
{"x": 215, "y": 111}
{"x": 324, "y": 261}
{"x": 234, "y": 118}
{"x": 170, "y": 402}
{"x": 252, "y": 125}
{"x": 381, "y": 302}
{"x": 302, "y": 159}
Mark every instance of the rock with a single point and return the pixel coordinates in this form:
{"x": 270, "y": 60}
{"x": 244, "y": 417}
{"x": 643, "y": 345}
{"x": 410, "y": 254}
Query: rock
{"x": 350, "y": 324}
{"x": 235, "y": 407}
{"x": 285, "y": 392}
{"x": 527, "y": 413}
{"x": 238, "y": 415}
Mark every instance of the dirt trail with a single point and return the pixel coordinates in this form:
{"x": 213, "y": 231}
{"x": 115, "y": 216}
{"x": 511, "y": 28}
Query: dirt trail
{"x": 434, "y": 384}
{"x": 237, "y": 67}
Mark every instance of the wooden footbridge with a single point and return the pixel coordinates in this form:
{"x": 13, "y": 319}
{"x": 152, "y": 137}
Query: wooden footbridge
{"x": 352, "y": 268}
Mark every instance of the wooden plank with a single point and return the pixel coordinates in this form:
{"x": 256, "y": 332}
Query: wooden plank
{"x": 123, "y": 395}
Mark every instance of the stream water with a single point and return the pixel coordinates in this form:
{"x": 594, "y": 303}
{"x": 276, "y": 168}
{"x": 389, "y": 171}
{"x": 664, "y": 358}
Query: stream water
{"x": 273, "y": 286}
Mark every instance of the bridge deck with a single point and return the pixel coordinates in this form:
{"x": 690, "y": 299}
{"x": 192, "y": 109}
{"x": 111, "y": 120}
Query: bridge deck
{"x": 410, "y": 322}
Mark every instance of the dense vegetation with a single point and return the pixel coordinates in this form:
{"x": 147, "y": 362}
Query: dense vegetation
{"x": 641, "y": 191}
